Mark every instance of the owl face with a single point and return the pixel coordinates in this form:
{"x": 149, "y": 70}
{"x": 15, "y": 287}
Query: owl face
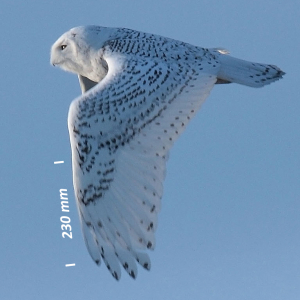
{"x": 76, "y": 52}
{"x": 65, "y": 54}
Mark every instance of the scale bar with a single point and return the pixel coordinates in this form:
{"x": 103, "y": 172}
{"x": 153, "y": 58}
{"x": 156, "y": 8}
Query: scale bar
{"x": 70, "y": 265}
{"x": 58, "y": 162}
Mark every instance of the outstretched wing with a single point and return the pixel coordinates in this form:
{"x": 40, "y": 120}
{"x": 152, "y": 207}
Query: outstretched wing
{"x": 121, "y": 132}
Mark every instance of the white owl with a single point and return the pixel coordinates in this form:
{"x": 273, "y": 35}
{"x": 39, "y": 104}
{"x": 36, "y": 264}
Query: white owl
{"x": 139, "y": 92}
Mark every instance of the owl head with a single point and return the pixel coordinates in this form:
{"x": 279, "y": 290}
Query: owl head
{"x": 79, "y": 51}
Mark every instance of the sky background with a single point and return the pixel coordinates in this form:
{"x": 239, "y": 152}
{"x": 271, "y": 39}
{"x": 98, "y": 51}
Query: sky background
{"x": 229, "y": 226}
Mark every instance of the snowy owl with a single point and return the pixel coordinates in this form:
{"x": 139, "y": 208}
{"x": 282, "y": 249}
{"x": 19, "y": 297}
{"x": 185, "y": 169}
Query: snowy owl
{"x": 139, "y": 92}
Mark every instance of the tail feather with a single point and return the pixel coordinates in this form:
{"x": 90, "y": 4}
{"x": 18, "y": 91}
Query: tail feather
{"x": 245, "y": 72}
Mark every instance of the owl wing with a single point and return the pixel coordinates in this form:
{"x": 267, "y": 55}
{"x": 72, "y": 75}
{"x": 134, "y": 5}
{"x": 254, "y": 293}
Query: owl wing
{"x": 121, "y": 132}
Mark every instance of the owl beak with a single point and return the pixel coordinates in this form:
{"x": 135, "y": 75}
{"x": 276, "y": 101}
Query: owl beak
{"x": 53, "y": 62}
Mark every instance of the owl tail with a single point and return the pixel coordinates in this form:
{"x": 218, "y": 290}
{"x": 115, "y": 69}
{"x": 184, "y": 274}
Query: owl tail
{"x": 245, "y": 72}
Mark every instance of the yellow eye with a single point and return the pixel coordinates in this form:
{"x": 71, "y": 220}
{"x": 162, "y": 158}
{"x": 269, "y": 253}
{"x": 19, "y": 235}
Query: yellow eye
{"x": 62, "y": 47}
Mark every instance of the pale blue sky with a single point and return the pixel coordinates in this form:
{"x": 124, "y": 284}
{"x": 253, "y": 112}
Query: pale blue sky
{"x": 229, "y": 226}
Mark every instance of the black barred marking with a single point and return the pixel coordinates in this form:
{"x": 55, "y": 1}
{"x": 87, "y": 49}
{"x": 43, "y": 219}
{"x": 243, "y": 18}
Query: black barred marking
{"x": 150, "y": 227}
{"x": 132, "y": 274}
{"x": 115, "y": 275}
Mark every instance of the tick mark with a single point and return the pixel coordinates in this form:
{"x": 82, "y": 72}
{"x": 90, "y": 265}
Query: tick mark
{"x": 70, "y": 265}
{"x": 58, "y": 162}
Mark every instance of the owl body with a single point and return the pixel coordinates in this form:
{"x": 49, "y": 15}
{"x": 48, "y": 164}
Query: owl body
{"x": 139, "y": 92}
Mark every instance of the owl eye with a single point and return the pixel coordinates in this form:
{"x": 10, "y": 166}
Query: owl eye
{"x": 62, "y": 47}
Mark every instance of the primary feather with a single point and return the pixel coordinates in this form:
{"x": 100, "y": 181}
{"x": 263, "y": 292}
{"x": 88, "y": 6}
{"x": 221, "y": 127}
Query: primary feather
{"x": 139, "y": 92}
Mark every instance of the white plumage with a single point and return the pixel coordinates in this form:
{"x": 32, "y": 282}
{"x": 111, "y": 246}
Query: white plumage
{"x": 139, "y": 92}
